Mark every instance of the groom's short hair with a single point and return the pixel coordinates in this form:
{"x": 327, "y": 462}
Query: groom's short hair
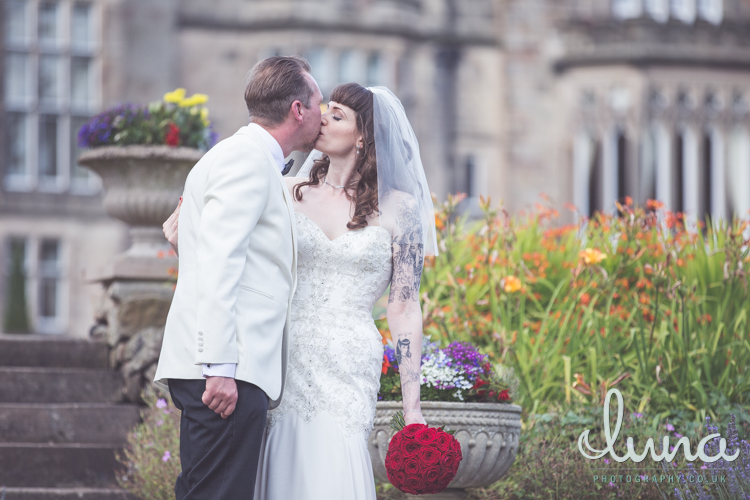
{"x": 273, "y": 85}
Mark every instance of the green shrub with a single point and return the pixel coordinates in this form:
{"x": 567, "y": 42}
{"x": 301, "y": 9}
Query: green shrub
{"x": 152, "y": 454}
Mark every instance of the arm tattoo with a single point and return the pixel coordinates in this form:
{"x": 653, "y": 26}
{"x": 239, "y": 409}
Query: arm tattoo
{"x": 403, "y": 349}
{"x": 408, "y": 255}
{"x": 410, "y": 377}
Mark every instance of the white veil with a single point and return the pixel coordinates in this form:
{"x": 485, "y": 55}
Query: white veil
{"x": 403, "y": 194}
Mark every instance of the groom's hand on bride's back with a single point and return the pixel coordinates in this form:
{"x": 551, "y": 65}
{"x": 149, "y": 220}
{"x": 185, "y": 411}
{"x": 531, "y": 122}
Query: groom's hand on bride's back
{"x": 221, "y": 395}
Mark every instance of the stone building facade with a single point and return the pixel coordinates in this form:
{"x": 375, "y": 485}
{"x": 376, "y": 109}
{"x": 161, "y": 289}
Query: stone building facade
{"x": 587, "y": 101}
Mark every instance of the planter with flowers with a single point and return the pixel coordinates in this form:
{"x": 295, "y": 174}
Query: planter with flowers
{"x": 143, "y": 154}
{"x": 462, "y": 392}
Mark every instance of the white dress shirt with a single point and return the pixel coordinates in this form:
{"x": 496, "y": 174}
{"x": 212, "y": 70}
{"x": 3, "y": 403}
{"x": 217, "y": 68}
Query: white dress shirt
{"x": 228, "y": 369}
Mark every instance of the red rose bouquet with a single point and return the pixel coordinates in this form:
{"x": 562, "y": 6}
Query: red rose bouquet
{"x": 421, "y": 459}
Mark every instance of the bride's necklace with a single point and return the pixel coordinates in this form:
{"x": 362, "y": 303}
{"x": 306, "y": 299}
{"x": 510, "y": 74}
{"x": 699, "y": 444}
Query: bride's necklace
{"x": 326, "y": 182}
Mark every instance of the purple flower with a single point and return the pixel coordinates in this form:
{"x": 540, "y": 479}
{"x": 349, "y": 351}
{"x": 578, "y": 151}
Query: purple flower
{"x": 161, "y": 403}
{"x": 606, "y": 461}
{"x": 160, "y": 423}
{"x": 677, "y": 435}
{"x": 670, "y": 427}
{"x": 166, "y": 456}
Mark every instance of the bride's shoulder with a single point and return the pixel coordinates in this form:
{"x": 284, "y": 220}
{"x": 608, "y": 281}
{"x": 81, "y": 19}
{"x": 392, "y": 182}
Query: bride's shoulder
{"x": 399, "y": 200}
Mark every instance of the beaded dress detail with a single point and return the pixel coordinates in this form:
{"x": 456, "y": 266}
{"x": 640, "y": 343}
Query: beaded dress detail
{"x": 334, "y": 368}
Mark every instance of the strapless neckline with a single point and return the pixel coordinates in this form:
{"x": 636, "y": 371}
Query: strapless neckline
{"x": 317, "y": 227}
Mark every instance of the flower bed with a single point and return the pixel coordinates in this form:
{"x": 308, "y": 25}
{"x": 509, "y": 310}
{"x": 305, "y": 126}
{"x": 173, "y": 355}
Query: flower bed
{"x": 636, "y": 300}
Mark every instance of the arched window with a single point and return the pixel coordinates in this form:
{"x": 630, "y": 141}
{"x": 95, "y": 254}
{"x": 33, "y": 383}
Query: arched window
{"x": 684, "y": 10}
{"x": 587, "y": 174}
{"x": 705, "y": 177}
{"x": 711, "y": 10}
{"x": 596, "y": 180}
{"x": 374, "y": 69}
{"x": 627, "y": 9}
{"x": 347, "y": 71}
{"x": 657, "y": 9}
{"x": 621, "y": 158}
{"x": 648, "y": 165}
{"x": 739, "y": 171}
{"x": 678, "y": 179}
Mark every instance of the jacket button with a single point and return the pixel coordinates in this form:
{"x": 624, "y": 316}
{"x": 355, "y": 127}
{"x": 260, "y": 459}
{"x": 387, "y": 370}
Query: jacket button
{"x": 200, "y": 333}
{"x": 200, "y": 349}
{"x": 200, "y": 344}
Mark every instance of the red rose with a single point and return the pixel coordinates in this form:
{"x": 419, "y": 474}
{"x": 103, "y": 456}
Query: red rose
{"x": 410, "y": 449}
{"x": 414, "y": 485}
{"x": 426, "y": 436}
{"x": 396, "y": 461}
{"x": 411, "y": 467}
{"x": 432, "y": 475}
{"x": 411, "y": 430}
{"x": 172, "y": 137}
{"x": 443, "y": 441}
{"x": 446, "y": 478}
{"x": 455, "y": 445}
{"x": 396, "y": 477}
{"x": 429, "y": 456}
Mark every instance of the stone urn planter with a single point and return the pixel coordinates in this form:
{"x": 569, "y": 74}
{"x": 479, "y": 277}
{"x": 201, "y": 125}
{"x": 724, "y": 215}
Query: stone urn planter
{"x": 142, "y": 186}
{"x": 488, "y": 433}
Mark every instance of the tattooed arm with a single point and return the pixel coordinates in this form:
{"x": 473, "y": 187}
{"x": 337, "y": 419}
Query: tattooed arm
{"x": 404, "y": 313}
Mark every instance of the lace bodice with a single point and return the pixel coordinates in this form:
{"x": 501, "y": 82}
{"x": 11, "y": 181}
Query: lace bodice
{"x": 336, "y": 351}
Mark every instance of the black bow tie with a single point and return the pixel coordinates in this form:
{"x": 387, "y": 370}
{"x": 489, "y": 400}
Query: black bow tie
{"x": 287, "y": 167}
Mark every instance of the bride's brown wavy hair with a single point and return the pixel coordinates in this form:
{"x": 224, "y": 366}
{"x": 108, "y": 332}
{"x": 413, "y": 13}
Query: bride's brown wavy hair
{"x": 364, "y": 191}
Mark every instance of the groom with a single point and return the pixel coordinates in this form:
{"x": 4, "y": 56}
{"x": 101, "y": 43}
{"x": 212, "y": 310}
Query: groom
{"x": 224, "y": 351}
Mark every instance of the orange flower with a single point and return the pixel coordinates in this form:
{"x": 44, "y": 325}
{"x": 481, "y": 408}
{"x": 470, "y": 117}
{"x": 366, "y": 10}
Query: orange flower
{"x": 439, "y": 224}
{"x": 585, "y": 299}
{"x": 654, "y": 205}
{"x": 511, "y": 284}
{"x": 592, "y": 256}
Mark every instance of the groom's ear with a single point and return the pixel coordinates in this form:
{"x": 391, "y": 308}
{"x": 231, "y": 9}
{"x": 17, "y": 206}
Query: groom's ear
{"x": 297, "y": 108}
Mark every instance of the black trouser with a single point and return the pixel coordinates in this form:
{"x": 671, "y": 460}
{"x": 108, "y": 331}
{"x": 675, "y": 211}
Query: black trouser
{"x": 219, "y": 456}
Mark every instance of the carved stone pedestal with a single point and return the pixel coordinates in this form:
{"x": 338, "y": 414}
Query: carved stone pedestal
{"x": 131, "y": 320}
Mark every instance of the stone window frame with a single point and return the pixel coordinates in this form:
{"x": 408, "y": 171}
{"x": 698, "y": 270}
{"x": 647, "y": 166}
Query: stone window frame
{"x": 58, "y": 324}
{"x": 68, "y": 178}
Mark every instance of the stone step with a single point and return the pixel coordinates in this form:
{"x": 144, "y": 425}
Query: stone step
{"x": 58, "y": 465}
{"x": 67, "y": 423}
{"x": 59, "y": 385}
{"x": 52, "y": 352}
{"x": 65, "y": 494}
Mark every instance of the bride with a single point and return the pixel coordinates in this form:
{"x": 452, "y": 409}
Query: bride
{"x": 364, "y": 221}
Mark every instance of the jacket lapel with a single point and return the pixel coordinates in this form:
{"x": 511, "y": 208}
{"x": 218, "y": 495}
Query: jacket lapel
{"x": 287, "y": 196}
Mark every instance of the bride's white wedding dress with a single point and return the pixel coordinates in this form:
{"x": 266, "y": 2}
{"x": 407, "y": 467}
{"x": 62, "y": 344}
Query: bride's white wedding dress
{"x": 316, "y": 442}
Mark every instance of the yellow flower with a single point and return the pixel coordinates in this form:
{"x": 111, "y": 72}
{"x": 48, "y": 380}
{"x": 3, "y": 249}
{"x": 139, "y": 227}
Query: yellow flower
{"x": 204, "y": 116}
{"x": 511, "y": 284}
{"x": 194, "y": 100}
{"x": 592, "y": 256}
{"x": 176, "y": 96}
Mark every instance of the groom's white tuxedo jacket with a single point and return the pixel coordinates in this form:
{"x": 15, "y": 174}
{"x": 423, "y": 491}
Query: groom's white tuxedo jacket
{"x": 237, "y": 275}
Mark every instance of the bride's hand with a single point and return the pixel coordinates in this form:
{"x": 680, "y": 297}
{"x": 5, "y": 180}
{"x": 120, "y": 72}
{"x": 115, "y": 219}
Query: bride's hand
{"x": 413, "y": 417}
{"x": 170, "y": 227}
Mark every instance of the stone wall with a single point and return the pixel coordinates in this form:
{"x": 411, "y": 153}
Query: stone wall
{"x": 131, "y": 320}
